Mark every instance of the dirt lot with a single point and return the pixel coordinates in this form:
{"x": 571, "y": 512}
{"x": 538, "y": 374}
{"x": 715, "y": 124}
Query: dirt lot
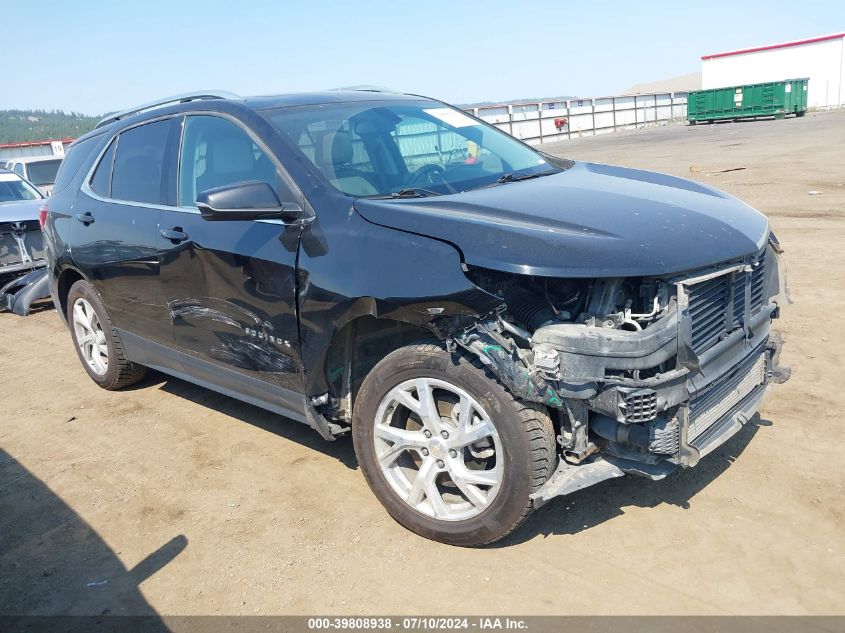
{"x": 169, "y": 498}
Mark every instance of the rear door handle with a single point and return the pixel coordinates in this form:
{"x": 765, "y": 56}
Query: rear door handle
{"x": 85, "y": 218}
{"x": 175, "y": 235}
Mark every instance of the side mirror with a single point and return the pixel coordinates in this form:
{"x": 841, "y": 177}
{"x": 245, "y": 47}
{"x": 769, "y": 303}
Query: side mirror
{"x": 250, "y": 200}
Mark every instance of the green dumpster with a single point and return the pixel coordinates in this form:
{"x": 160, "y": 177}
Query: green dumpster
{"x": 776, "y": 98}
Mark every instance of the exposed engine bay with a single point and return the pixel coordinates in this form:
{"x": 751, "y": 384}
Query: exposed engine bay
{"x": 645, "y": 374}
{"x": 534, "y": 302}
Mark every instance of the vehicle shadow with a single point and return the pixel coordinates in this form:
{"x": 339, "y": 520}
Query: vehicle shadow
{"x": 341, "y": 449}
{"x": 53, "y": 563}
{"x": 594, "y": 505}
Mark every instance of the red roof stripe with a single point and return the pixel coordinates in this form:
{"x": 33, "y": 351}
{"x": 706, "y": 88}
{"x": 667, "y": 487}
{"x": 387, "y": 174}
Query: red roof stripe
{"x": 757, "y": 49}
{"x": 34, "y": 143}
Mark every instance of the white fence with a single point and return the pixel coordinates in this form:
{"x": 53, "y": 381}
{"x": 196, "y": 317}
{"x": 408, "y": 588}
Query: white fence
{"x": 560, "y": 120}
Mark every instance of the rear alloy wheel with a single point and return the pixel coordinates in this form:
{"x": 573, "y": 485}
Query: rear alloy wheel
{"x": 448, "y": 451}
{"x": 97, "y": 342}
{"x": 90, "y": 337}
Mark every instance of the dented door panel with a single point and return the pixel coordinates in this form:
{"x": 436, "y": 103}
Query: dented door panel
{"x": 230, "y": 296}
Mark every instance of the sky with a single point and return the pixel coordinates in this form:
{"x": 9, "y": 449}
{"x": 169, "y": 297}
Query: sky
{"x": 95, "y": 56}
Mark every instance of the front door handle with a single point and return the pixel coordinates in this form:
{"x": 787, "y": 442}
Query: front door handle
{"x": 175, "y": 235}
{"x": 85, "y": 218}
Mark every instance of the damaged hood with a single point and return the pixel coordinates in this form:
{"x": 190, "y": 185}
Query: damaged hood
{"x": 588, "y": 221}
{"x": 19, "y": 210}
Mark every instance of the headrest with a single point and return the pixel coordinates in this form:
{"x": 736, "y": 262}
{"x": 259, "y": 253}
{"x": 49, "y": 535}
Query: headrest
{"x": 337, "y": 148}
{"x": 231, "y": 155}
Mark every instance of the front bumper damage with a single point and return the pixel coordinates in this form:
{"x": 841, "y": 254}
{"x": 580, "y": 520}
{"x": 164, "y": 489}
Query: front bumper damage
{"x": 21, "y": 292}
{"x": 647, "y": 402}
{"x": 23, "y": 272}
{"x": 734, "y": 397}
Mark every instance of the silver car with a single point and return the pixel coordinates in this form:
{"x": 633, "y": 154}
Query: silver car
{"x": 23, "y": 278}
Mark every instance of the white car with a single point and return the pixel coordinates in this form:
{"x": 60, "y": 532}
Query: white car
{"x": 39, "y": 170}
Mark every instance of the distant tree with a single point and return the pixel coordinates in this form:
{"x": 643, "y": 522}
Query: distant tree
{"x": 18, "y": 126}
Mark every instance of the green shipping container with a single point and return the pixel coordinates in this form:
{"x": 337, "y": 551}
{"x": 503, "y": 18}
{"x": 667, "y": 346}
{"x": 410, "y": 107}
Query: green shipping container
{"x": 776, "y": 98}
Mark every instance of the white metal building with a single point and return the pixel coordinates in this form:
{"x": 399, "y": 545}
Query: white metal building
{"x": 34, "y": 148}
{"x": 822, "y": 59}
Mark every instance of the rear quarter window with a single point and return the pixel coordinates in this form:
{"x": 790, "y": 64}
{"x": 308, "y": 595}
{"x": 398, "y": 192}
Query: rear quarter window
{"x": 77, "y": 154}
{"x": 101, "y": 181}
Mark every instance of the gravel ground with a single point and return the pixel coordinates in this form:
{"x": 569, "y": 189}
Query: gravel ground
{"x": 168, "y": 498}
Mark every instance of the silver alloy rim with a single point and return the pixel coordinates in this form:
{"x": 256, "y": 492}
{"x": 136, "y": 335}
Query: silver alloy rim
{"x": 438, "y": 449}
{"x": 90, "y": 337}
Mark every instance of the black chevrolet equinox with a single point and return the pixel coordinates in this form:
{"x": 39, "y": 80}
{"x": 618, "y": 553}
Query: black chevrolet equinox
{"x": 493, "y": 326}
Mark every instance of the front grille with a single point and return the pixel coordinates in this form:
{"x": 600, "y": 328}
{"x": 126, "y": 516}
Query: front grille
{"x": 708, "y": 303}
{"x": 710, "y": 405}
{"x": 717, "y": 305}
{"x": 25, "y": 225}
{"x": 664, "y": 437}
{"x": 757, "y": 279}
{"x": 640, "y": 406}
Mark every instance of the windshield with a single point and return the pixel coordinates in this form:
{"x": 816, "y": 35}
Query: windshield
{"x": 384, "y": 148}
{"x": 13, "y": 189}
{"x": 43, "y": 172}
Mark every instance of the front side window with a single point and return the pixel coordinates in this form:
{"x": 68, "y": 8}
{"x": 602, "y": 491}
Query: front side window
{"x": 140, "y": 173}
{"x": 215, "y": 153}
{"x": 379, "y": 148}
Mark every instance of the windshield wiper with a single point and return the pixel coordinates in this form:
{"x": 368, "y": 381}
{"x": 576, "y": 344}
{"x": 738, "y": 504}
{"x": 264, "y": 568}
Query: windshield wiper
{"x": 512, "y": 177}
{"x": 409, "y": 192}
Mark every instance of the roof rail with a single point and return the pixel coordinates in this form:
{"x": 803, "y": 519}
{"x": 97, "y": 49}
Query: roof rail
{"x": 182, "y": 98}
{"x": 367, "y": 88}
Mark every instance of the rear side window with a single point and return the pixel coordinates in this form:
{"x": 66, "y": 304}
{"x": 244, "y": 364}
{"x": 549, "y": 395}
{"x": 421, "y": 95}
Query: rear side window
{"x": 140, "y": 172}
{"x": 101, "y": 181}
{"x": 77, "y": 154}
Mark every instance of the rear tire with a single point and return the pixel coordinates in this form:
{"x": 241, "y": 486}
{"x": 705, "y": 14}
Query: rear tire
{"x": 96, "y": 340}
{"x": 479, "y": 457}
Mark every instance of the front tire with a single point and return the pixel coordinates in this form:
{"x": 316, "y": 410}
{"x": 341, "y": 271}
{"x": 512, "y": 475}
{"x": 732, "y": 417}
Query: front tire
{"x": 446, "y": 449}
{"x": 96, "y": 340}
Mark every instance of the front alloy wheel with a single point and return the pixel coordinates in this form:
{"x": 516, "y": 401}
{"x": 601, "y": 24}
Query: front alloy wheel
{"x": 448, "y": 451}
{"x": 438, "y": 449}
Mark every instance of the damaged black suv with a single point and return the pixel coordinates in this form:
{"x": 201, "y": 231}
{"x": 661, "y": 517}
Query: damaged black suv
{"x": 493, "y": 326}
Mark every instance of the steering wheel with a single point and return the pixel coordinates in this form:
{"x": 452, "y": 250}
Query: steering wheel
{"x": 425, "y": 175}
